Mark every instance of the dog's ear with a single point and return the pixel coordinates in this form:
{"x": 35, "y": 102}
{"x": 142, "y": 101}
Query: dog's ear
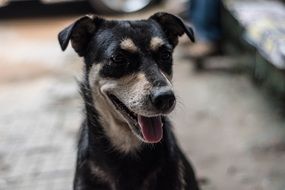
{"x": 79, "y": 33}
{"x": 173, "y": 26}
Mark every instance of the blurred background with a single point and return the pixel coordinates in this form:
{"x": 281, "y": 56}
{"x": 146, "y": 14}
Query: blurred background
{"x": 230, "y": 85}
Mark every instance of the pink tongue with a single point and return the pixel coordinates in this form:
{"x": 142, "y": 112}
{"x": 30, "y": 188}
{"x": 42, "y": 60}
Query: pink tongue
{"x": 151, "y": 128}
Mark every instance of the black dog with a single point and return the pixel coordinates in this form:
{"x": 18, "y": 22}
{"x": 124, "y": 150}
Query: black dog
{"x": 126, "y": 140}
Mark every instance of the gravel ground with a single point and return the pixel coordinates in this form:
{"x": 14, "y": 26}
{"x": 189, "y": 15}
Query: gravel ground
{"x": 230, "y": 130}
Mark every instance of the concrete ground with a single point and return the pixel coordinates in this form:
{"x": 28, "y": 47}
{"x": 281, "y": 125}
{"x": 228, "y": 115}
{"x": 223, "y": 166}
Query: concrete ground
{"x": 232, "y": 133}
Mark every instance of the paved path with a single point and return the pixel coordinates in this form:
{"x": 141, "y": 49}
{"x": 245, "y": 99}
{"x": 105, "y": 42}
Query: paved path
{"x": 230, "y": 130}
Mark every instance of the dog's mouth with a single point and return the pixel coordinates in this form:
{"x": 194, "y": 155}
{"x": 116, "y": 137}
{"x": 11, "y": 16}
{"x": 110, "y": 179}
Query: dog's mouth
{"x": 147, "y": 128}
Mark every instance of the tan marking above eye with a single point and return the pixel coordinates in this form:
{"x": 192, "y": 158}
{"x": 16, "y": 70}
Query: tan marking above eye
{"x": 129, "y": 45}
{"x": 155, "y": 43}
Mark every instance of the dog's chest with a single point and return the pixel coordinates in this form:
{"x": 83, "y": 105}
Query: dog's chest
{"x": 127, "y": 173}
{"x": 126, "y": 179}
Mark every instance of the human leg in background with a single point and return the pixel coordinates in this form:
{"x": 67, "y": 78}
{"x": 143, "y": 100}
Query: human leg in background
{"x": 205, "y": 17}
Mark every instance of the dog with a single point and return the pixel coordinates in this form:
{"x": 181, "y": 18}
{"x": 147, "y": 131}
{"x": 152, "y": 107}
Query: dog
{"x": 126, "y": 140}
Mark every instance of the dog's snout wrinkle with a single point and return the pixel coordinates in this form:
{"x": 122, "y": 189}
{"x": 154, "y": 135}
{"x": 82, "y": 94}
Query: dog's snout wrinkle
{"x": 159, "y": 83}
{"x": 155, "y": 76}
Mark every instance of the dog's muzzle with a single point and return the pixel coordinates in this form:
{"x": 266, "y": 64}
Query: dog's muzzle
{"x": 148, "y": 128}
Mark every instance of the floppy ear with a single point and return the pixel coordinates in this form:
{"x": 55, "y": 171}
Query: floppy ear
{"x": 173, "y": 26}
{"x": 79, "y": 33}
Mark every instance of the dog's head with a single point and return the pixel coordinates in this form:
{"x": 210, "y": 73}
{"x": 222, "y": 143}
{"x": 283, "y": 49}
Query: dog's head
{"x": 130, "y": 67}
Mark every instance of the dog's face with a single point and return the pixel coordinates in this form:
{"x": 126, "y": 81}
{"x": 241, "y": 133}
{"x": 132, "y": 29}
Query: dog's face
{"x": 130, "y": 67}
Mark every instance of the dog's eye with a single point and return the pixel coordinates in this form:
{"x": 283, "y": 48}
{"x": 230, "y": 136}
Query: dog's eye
{"x": 165, "y": 55}
{"x": 118, "y": 58}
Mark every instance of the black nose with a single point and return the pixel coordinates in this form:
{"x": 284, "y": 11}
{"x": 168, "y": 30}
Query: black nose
{"x": 163, "y": 99}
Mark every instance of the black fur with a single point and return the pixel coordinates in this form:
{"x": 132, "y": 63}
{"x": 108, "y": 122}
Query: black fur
{"x": 152, "y": 167}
